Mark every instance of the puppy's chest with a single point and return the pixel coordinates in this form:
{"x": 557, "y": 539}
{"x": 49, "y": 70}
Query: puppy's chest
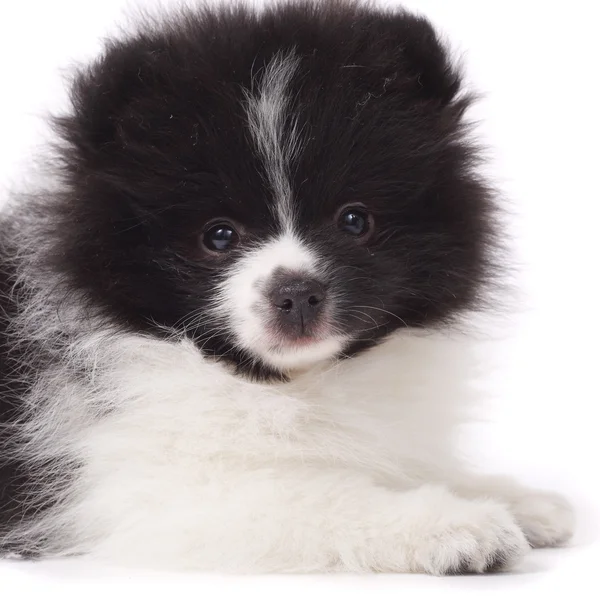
{"x": 175, "y": 408}
{"x": 220, "y": 420}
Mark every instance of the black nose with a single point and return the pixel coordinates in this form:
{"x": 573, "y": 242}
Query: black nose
{"x": 299, "y": 301}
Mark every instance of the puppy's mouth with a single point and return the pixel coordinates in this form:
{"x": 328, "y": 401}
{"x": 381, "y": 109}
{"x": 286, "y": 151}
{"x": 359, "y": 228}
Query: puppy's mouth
{"x": 282, "y": 341}
{"x": 290, "y": 350}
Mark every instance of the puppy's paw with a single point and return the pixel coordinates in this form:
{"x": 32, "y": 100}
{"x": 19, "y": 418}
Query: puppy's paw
{"x": 483, "y": 538}
{"x": 547, "y": 519}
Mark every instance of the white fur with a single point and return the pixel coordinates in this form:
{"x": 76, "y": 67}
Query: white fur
{"x": 349, "y": 466}
{"x": 276, "y": 141}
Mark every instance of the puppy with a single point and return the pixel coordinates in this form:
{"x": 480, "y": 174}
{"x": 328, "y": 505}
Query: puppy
{"x": 225, "y": 324}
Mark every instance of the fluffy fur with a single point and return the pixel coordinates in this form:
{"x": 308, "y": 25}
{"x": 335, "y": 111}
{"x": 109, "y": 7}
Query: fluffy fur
{"x": 154, "y": 406}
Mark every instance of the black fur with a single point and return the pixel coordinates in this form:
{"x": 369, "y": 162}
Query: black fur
{"x": 157, "y": 144}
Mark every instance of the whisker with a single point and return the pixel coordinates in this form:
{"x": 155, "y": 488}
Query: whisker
{"x": 383, "y": 310}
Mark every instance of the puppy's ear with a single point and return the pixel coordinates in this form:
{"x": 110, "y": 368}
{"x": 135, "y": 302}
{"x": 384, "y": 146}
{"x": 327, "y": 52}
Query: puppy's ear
{"x": 115, "y": 105}
{"x": 430, "y": 59}
{"x": 425, "y": 59}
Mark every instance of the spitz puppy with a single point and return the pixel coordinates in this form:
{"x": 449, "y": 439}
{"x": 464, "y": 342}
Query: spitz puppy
{"x": 226, "y": 322}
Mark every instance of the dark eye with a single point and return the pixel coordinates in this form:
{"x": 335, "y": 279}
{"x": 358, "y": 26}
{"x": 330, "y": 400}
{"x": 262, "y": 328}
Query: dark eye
{"x": 220, "y": 238}
{"x": 354, "y": 221}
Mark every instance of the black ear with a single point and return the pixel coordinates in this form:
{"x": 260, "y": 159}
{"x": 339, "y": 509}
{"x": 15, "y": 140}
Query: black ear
{"x": 110, "y": 98}
{"x": 416, "y": 49}
{"x": 429, "y": 59}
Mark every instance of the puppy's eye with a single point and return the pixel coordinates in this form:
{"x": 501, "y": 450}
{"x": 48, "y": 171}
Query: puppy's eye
{"x": 220, "y": 237}
{"x": 354, "y": 221}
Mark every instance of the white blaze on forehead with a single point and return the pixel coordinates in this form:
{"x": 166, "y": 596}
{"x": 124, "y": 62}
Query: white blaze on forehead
{"x": 277, "y": 144}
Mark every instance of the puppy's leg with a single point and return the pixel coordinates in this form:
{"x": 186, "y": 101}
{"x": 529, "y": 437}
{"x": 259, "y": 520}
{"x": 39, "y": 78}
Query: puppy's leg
{"x": 364, "y": 527}
{"x": 306, "y": 520}
{"x": 546, "y": 518}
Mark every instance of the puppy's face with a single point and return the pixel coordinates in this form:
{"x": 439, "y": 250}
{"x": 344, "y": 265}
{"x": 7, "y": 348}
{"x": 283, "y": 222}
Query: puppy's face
{"x": 284, "y": 189}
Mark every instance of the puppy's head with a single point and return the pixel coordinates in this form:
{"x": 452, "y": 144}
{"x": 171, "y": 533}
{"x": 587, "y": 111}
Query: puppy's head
{"x": 284, "y": 188}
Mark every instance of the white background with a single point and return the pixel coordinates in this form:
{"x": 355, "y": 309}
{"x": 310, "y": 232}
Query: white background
{"x": 537, "y": 65}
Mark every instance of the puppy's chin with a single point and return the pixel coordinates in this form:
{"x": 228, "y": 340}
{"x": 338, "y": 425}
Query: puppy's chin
{"x": 298, "y": 354}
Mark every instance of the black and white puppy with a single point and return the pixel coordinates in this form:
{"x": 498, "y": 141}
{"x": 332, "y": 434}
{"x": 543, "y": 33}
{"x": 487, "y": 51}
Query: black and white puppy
{"x": 224, "y": 324}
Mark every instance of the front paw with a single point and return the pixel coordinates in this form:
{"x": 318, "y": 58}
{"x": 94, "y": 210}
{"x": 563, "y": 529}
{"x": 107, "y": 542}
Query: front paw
{"x": 547, "y": 519}
{"x": 484, "y": 538}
